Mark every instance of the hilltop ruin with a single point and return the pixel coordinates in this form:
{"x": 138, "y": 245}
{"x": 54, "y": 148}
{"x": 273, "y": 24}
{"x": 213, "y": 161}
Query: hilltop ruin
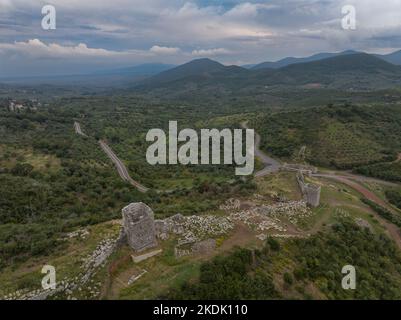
{"x": 139, "y": 226}
{"x": 310, "y": 191}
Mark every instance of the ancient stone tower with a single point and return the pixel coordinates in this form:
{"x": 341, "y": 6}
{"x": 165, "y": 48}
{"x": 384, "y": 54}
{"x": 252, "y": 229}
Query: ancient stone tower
{"x": 139, "y": 226}
{"x": 312, "y": 194}
{"x": 310, "y": 191}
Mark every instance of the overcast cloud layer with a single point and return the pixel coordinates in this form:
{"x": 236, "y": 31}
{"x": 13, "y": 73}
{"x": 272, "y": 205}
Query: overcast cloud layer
{"x": 100, "y": 34}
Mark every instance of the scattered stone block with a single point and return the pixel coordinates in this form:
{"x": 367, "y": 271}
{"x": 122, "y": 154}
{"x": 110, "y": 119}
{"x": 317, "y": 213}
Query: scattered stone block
{"x": 145, "y": 256}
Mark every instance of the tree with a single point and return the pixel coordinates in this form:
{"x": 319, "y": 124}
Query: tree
{"x": 288, "y": 278}
{"x": 273, "y": 244}
{"x": 22, "y": 169}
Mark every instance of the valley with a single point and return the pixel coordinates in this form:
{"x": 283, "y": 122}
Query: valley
{"x": 70, "y": 165}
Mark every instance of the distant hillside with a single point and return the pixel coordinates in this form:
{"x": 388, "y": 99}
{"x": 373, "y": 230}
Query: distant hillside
{"x": 358, "y": 71}
{"x": 288, "y": 61}
{"x": 200, "y": 67}
{"x": 352, "y": 62}
{"x": 343, "y": 136}
{"x": 147, "y": 69}
{"x": 355, "y": 71}
{"x": 196, "y": 75}
{"x": 394, "y": 58}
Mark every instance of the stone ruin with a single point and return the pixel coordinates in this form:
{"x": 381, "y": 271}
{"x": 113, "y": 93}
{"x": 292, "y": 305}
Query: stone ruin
{"x": 195, "y": 234}
{"x": 310, "y": 191}
{"x": 139, "y": 226}
{"x": 202, "y": 247}
{"x": 191, "y": 229}
{"x": 303, "y": 168}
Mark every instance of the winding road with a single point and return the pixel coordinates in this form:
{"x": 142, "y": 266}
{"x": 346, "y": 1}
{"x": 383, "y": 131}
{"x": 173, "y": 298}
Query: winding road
{"x": 271, "y": 165}
{"x": 121, "y": 168}
{"x": 78, "y": 130}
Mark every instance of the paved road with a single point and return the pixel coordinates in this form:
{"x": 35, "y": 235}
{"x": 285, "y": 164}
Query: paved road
{"x": 122, "y": 170}
{"x": 271, "y": 165}
{"x": 78, "y": 130}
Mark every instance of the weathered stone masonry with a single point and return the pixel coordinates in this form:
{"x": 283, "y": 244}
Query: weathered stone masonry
{"x": 310, "y": 191}
{"x": 139, "y": 226}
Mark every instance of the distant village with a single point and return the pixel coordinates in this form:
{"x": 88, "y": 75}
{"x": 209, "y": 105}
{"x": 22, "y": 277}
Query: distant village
{"x": 18, "y": 106}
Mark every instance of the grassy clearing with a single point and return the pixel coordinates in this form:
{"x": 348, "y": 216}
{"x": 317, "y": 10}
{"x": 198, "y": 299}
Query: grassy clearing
{"x": 338, "y": 201}
{"x": 163, "y": 272}
{"x": 282, "y": 184}
{"x": 44, "y": 163}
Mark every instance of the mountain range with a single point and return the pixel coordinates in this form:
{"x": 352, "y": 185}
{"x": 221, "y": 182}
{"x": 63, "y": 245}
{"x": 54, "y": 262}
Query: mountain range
{"x": 347, "y": 71}
{"x": 394, "y": 58}
{"x": 291, "y": 60}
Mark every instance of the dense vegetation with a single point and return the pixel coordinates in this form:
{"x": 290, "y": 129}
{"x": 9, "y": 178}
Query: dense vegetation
{"x": 354, "y": 72}
{"x": 384, "y": 212}
{"x": 53, "y": 180}
{"x": 318, "y": 261}
{"x": 388, "y": 171}
{"x": 342, "y": 136}
{"x": 394, "y": 196}
{"x": 375, "y": 257}
{"x": 233, "y": 277}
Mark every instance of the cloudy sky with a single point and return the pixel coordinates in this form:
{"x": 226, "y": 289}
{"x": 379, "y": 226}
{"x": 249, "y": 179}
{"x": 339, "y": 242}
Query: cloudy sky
{"x": 103, "y": 34}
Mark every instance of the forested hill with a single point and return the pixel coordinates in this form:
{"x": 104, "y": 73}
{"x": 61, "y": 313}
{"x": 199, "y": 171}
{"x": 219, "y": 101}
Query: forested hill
{"x": 359, "y": 71}
{"x": 337, "y": 136}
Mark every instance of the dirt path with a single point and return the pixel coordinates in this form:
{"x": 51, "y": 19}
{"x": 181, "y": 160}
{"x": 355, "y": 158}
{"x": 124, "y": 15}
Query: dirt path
{"x": 360, "y": 178}
{"x": 356, "y": 186}
{"x": 392, "y": 229}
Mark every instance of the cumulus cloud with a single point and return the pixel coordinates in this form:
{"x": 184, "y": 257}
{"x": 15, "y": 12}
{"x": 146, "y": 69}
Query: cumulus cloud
{"x": 210, "y": 52}
{"x": 37, "y": 48}
{"x": 174, "y": 31}
{"x": 248, "y": 10}
{"x": 164, "y": 50}
{"x": 35, "y": 57}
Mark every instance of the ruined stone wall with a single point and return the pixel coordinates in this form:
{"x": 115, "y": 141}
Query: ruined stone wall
{"x": 303, "y": 168}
